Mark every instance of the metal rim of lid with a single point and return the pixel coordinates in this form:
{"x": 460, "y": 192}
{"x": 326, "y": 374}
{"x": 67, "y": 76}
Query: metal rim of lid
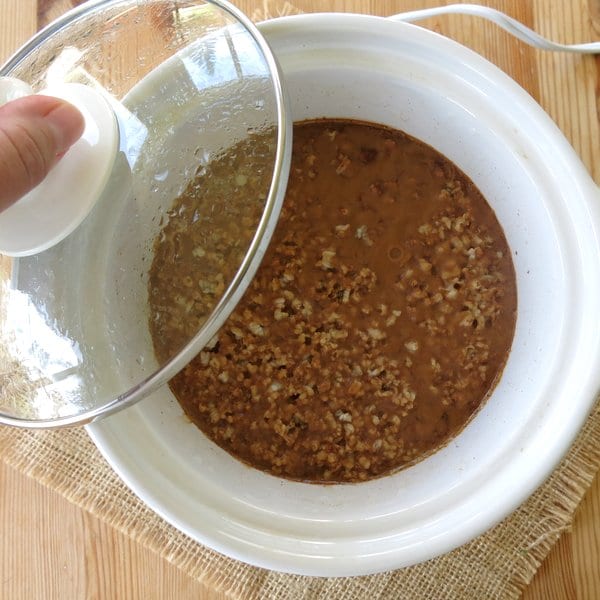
{"x": 253, "y": 256}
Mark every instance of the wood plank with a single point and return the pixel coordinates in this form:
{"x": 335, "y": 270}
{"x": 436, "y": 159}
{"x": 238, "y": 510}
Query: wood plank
{"x": 19, "y": 22}
{"x": 51, "y": 549}
{"x": 585, "y": 543}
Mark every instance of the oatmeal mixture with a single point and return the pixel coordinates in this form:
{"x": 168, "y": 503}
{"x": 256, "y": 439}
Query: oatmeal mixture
{"x": 205, "y": 238}
{"x": 378, "y": 323}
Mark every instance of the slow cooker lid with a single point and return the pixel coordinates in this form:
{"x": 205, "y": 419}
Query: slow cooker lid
{"x": 192, "y": 84}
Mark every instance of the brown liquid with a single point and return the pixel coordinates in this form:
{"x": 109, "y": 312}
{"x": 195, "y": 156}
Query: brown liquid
{"x": 379, "y": 321}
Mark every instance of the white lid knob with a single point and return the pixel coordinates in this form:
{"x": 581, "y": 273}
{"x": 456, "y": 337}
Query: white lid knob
{"x": 52, "y": 210}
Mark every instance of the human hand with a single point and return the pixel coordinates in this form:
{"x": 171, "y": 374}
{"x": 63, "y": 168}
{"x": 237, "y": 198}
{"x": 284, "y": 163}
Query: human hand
{"x": 35, "y": 131}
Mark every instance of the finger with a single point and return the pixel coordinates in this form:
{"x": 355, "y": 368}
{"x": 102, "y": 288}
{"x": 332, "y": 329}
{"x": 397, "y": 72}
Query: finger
{"x": 34, "y": 132}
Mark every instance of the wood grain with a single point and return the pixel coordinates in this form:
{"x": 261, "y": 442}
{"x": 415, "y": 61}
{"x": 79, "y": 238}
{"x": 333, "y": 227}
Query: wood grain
{"x": 51, "y": 549}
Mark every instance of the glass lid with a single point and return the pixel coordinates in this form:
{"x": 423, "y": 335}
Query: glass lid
{"x": 108, "y": 311}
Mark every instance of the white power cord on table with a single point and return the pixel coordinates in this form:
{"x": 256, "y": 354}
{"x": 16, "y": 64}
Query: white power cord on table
{"x": 507, "y": 23}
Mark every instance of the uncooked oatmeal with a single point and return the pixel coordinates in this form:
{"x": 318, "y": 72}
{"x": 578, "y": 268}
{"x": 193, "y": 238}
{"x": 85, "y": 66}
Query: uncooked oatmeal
{"x": 379, "y": 321}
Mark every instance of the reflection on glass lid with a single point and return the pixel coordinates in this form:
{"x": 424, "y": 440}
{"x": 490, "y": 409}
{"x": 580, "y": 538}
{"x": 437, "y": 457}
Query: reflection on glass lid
{"x": 198, "y": 101}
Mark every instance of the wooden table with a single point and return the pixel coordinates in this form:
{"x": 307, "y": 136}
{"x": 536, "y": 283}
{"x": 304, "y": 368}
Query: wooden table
{"x": 51, "y": 549}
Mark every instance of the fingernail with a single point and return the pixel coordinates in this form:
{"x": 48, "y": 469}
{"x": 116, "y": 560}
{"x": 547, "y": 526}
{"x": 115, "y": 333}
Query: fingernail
{"x": 67, "y": 125}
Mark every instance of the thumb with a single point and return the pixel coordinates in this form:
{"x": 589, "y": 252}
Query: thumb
{"x": 34, "y": 132}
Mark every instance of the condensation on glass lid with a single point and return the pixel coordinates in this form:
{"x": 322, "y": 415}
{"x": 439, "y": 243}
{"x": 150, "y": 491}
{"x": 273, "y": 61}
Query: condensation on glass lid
{"x": 26, "y": 360}
{"x": 186, "y": 82}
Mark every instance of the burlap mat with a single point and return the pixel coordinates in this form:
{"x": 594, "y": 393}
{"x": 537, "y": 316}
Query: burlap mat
{"x": 497, "y": 565}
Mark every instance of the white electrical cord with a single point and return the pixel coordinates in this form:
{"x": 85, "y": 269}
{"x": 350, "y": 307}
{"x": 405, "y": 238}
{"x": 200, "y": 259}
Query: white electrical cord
{"x": 507, "y": 23}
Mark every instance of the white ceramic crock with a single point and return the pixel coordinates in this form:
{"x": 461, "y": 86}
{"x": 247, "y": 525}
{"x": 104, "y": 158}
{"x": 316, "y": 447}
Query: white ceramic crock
{"x": 403, "y": 76}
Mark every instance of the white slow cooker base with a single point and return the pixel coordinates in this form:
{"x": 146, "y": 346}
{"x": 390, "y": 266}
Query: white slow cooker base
{"x": 367, "y": 68}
